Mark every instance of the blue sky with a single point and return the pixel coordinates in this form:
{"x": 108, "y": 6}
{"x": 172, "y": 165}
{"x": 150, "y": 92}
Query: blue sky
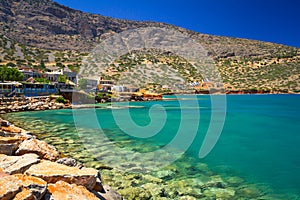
{"x": 273, "y": 21}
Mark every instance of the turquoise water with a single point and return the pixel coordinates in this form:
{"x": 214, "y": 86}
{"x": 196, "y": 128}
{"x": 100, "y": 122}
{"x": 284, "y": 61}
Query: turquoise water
{"x": 259, "y": 142}
{"x": 261, "y": 137}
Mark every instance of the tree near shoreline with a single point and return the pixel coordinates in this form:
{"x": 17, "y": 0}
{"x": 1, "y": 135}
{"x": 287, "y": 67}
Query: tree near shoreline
{"x": 62, "y": 79}
{"x": 10, "y": 74}
{"x": 83, "y": 84}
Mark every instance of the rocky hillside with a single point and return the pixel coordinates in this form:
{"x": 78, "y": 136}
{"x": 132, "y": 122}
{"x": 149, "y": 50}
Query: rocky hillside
{"x": 33, "y": 31}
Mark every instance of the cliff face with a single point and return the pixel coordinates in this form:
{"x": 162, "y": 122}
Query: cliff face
{"x": 48, "y": 25}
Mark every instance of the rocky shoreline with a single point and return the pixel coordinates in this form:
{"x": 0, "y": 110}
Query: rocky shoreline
{"x": 245, "y": 91}
{"x": 49, "y": 102}
{"x": 31, "y": 104}
{"x": 32, "y": 169}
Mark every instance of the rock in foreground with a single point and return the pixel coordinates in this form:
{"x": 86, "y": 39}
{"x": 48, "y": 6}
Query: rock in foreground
{"x": 41, "y": 148}
{"x": 17, "y": 164}
{"x": 36, "y": 186}
{"x": 54, "y": 172}
{"x": 28, "y": 175}
{"x": 64, "y": 191}
{"x": 8, "y": 145}
{"x": 21, "y": 187}
{"x": 10, "y": 186}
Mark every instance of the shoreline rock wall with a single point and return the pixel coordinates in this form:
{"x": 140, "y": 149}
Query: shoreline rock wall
{"x": 33, "y": 169}
{"x": 30, "y": 104}
{"x": 244, "y": 91}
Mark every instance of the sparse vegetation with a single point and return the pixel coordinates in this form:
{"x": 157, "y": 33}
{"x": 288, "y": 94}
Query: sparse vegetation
{"x": 61, "y": 100}
{"x": 82, "y": 84}
{"x": 59, "y": 41}
{"x": 41, "y": 80}
{"x": 62, "y": 78}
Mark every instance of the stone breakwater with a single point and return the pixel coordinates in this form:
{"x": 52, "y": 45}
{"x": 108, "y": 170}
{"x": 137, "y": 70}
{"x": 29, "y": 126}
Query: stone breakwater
{"x": 33, "y": 169}
{"x": 30, "y": 104}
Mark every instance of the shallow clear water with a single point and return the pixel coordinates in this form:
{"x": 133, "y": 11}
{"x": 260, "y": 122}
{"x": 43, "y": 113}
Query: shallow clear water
{"x": 259, "y": 142}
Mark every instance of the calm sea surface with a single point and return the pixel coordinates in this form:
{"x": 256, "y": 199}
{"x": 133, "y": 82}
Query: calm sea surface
{"x": 259, "y": 143}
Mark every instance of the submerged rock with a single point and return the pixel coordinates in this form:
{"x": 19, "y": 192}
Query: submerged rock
{"x": 216, "y": 181}
{"x": 250, "y": 192}
{"x": 187, "y": 198}
{"x": 182, "y": 188}
{"x": 110, "y": 194}
{"x": 71, "y": 162}
{"x": 155, "y": 189}
{"x": 53, "y": 172}
{"x": 219, "y": 193}
{"x": 152, "y": 179}
{"x": 17, "y": 164}
{"x": 165, "y": 174}
{"x": 41, "y": 148}
{"x": 235, "y": 181}
{"x": 134, "y": 193}
{"x": 65, "y": 191}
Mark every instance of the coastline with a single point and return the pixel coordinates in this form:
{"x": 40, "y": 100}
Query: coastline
{"x": 161, "y": 184}
{"x": 31, "y": 104}
{"x": 244, "y": 91}
{"x": 27, "y": 104}
{"x": 36, "y": 170}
